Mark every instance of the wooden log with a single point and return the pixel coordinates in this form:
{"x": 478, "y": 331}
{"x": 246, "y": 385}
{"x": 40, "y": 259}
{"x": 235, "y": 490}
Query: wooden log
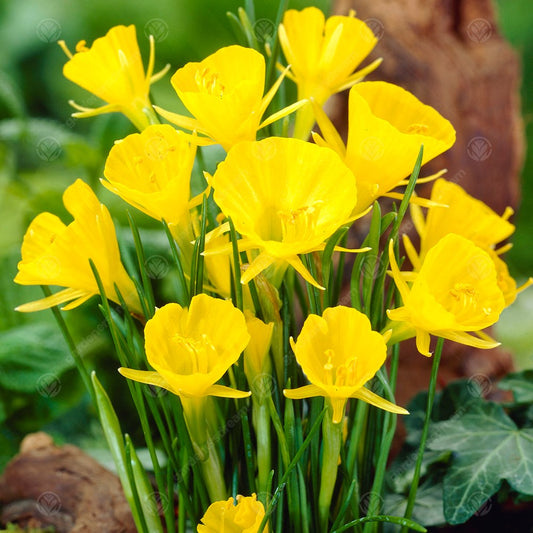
{"x": 46, "y": 485}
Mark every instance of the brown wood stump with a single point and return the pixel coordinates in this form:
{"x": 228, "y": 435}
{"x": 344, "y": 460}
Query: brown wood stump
{"x": 46, "y": 485}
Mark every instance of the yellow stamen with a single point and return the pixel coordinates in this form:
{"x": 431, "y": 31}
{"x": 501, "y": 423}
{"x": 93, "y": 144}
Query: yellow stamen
{"x": 65, "y": 49}
{"x": 420, "y": 129}
{"x": 82, "y": 46}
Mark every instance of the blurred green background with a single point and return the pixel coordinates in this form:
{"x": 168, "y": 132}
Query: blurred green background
{"x": 43, "y": 150}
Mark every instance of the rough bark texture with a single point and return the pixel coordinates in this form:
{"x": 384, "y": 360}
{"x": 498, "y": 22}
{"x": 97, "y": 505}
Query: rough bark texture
{"x": 450, "y": 54}
{"x": 46, "y": 485}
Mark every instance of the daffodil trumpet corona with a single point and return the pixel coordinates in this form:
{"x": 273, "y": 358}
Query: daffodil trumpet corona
{"x": 286, "y": 197}
{"x": 386, "y": 127}
{"x": 454, "y": 294}
{"x": 224, "y": 94}
{"x": 54, "y": 253}
{"x": 112, "y": 70}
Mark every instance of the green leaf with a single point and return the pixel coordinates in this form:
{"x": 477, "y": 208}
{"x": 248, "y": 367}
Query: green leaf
{"x": 32, "y": 357}
{"x": 521, "y": 384}
{"x": 10, "y": 95}
{"x": 428, "y": 505}
{"x": 488, "y": 448}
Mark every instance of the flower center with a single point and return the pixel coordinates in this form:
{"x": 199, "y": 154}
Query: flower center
{"x": 420, "y": 129}
{"x": 342, "y": 375}
{"x": 299, "y": 224}
{"x": 464, "y": 296}
{"x": 198, "y": 353}
{"x": 208, "y": 82}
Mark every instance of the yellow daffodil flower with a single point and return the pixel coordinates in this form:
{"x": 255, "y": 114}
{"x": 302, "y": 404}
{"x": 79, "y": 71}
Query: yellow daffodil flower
{"x": 56, "y": 254}
{"x": 152, "y": 171}
{"x": 285, "y": 197}
{"x": 323, "y": 55}
{"x": 112, "y": 70}
{"x": 386, "y": 127}
{"x": 243, "y": 517}
{"x": 224, "y": 93}
{"x": 339, "y": 353}
{"x": 191, "y": 349}
{"x": 455, "y": 211}
{"x": 456, "y": 291}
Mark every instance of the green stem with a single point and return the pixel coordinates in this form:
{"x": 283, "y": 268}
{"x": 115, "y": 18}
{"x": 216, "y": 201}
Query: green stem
{"x": 80, "y": 365}
{"x": 198, "y": 414}
{"x": 332, "y": 438}
{"x": 425, "y": 431}
{"x": 261, "y": 423}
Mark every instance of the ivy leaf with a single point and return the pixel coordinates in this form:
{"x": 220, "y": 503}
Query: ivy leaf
{"x": 488, "y": 448}
{"x": 428, "y": 504}
{"x": 521, "y": 383}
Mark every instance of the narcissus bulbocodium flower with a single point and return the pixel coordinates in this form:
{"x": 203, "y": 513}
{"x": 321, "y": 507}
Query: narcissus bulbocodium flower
{"x": 339, "y": 353}
{"x": 112, "y": 70}
{"x": 386, "y": 127}
{"x": 151, "y": 170}
{"x": 56, "y": 254}
{"x": 285, "y": 197}
{"x": 224, "y": 516}
{"x": 323, "y": 55}
{"x": 455, "y": 291}
{"x": 224, "y": 93}
{"x": 191, "y": 349}
{"x": 455, "y": 211}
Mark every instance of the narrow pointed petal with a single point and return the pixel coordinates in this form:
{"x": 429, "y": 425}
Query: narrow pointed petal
{"x": 283, "y": 113}
{"x": 226, "y": 392}
{"x": 297, "y": 264}
{"x": 149, "y": 377}
{"x": 423, "y": 340}
{"x": 400, "y": 283}
{"x": 271, "y": 93}
{"x": 411, "y": 252}
{"x": 373, "y": 399}
{"x": 359, "y": 75}
{"x": 329, "y": 132}
{"x": 50, "y": 301}
{"x": 180, "y": 120}
{"x": 485, "y": 343}
{"x": 307, "y": 391}
{"x": 260, "y": 263}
